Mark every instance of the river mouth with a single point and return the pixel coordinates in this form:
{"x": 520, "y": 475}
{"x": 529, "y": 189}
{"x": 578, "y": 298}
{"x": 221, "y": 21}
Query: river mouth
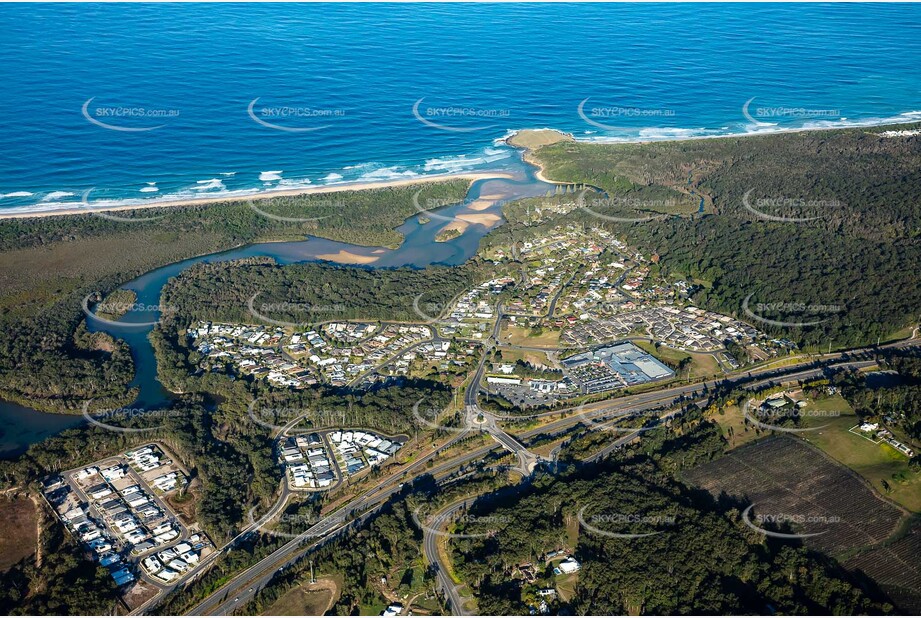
{"x": 25, "y": 426}
{"x": 481, "y": 212}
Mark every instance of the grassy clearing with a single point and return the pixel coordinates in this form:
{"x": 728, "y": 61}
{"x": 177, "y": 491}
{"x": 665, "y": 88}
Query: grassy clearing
{"x": 528, "y": 356}
{"x": 702, "y": 365}
{"x": 881, "y": 465}
{"x": 544, "y": 449}
{"x": 518, "y": 335}
{"x": 566, "y": 586}
{"x": 733, "y": 426}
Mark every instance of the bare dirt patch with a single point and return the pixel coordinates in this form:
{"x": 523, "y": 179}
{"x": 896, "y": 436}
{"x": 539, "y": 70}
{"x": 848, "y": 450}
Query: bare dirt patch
{"x": 140, "y": 593}
{"x": 306, "y": 600}
{"x": 184, "y": 505}
{"x": 20, "y": 530}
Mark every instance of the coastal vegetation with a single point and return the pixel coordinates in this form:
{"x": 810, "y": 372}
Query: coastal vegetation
{"x": 49, "y": 265}
{"x": 309, "y": 293}
{"x": 448, "y": 233}
{"x": 116, "y": 304}
{"x": 849, "y": 259}
{"x": 837, "y": 233}
{"x": 219, "y": 447}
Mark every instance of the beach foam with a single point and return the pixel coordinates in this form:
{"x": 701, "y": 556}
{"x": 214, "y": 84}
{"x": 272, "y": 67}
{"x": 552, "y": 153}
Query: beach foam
{"x": 465, "y": 162}
{"x": 386, "y": 173}
{"x": 56, "y": 195}
{"x": 679, "y": 134}
{"x": 210, "y": 185}
{"x": 270, "y": 175}
{"x": 370, "y": 172}
{"x": 292, "y": 183}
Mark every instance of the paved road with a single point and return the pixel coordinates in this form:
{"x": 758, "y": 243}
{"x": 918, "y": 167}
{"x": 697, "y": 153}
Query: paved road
{"x": 430, "y": 536}
{"x": 221, "y": 601}
{"x": 485, "y": 421}
{"x": 248, "y": 583}
{"x": 204, "y": 564}
{"x": 755, "y": 376}
{"x": 431, "y": 339}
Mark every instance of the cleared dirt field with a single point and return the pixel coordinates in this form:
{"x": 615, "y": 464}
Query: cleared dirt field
{"x": 306, "y": 600}
{"x": 20, "y": 531}
{"x": 792, "y": 482}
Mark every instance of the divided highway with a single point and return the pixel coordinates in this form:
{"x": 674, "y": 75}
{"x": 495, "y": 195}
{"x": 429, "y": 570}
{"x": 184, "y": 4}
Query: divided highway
{"x": 243, "y": 586}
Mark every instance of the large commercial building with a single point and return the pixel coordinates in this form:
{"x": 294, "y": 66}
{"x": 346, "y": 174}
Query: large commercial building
{"x": 615, "y": 366}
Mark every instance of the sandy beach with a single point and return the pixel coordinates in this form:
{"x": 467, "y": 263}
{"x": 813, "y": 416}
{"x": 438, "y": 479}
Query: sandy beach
{"x": 455, "y": 226}
{"x": 484, "y": 218}
{"x": 528, "y": 140}
{"x": 355, "y": 186}
{"x": 347, "y": 257}
{"x": 483, "y": 202}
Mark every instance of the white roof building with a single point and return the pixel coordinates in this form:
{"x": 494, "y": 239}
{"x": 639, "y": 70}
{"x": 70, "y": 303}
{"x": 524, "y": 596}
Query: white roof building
{"x": 570, "y": 565}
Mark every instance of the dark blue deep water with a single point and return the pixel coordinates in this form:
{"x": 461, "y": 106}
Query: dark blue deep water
{"x": 186, "y": 75}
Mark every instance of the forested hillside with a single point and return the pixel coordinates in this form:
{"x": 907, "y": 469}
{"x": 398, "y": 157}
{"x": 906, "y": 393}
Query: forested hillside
{"x": 698, "y": 557}
{"x": 309, "y": 293}
{"x": 900, "y": 402}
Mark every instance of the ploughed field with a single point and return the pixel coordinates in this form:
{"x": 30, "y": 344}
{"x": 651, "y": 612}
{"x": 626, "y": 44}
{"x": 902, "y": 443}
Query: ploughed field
{"x": 797, "y": 489}
{"x": 896, "y": 568}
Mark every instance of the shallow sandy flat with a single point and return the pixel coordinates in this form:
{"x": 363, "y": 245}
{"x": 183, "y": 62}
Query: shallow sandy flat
{"x": 485, "y": 218}
{"x": 480, "y": 204}
{"x": 460, "y": 226}
{"x": 347, "y": 257}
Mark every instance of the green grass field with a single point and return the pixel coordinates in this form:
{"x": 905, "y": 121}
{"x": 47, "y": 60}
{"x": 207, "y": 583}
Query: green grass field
{"x": 566, "y": 586}
{"x": 733, "y": 427}
{"x": 528, "y": 356}
{"x": 877, "y": 463}
{"x": 517, "y": 335}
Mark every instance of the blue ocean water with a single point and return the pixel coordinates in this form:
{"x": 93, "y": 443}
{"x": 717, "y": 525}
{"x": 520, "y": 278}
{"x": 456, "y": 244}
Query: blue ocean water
{"x": 158, "y": 101}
